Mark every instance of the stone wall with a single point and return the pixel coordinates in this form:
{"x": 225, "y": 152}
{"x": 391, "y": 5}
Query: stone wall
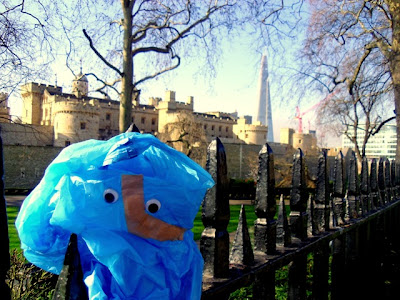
{"x": 242, "y": 159}
{"x": 24, "y": 166}
{"x": 30, "y": 135}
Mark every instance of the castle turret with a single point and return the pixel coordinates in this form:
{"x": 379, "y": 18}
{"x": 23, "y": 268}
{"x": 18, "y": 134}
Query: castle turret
{"x": 32, "y": 95}
{"x": 80, "y": 85}
{"x": 75, "y": 120}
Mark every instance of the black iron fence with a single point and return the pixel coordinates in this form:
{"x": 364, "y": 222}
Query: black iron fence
{"x": 346, "y": 228}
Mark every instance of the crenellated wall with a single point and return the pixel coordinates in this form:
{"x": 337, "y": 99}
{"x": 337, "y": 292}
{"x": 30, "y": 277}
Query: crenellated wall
{"x": 26, "y": 135}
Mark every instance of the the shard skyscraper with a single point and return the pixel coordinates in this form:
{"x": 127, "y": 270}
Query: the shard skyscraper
{"x": 264, "y": 111}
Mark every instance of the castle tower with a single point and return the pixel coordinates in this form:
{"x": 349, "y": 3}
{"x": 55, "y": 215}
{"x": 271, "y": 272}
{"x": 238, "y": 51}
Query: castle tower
{"x": 264, "y": 112}
{"x": 32, "y": 95}
{"x": 80, "y": 85}
{"x": 75, "y": 120}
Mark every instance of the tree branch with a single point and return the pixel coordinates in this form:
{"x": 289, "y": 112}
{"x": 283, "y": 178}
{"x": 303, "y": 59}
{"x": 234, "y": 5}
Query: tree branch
{"x": 101, "y": 56}
{"x": 160, "y": 72}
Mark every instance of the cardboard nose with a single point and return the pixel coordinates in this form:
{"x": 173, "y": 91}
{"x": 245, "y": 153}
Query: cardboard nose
{"x": 138, "y": 221}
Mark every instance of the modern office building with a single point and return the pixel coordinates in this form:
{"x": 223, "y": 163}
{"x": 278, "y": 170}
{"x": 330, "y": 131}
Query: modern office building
{"x": 382, "y": 144}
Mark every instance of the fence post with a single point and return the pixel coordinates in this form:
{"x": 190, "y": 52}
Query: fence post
{"x": 321, "y": 209}
{"x": 297, "y": 278}
{"x": 214, "y": 242}
{"x": 393, "y": 178}
{"x": 283, "y": 235}
{"x": 364, "y": 188}
{"x": 388, "y": 181}
{"x": 242, "y": 252}
{"x": 4, "y": 239}
{"x": 320, "y": 285}
{"x": 265, "y": 227}
{"x": 265, "y": 203}
{"x": 338, "y": 204}
{"x": 373, "y": 178}
{"x": 352, "y": 237}
{"x": 397, "y": 179}
{"x": 298, "y": 198}
{"x": 298, "y": 227}
{"x": 321, "y": 213}
{"x": 338, "y": 269}
{"x": 381, "y": 181}
{"x": 353, "y": 189}
{"x": 70, "y": 284}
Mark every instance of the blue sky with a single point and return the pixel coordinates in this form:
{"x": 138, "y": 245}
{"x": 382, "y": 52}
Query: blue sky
{"x": 234, "y": 88}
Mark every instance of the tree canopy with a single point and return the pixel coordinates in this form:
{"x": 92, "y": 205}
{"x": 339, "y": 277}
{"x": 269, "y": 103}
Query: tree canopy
{"x": 352, "y": 47}
{"x": 26, "y": 42}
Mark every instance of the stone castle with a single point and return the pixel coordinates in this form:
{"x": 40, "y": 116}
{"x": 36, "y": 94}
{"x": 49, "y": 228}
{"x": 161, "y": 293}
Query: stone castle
{"x": 65, "y": 118}
{"x": 52, "y": 119}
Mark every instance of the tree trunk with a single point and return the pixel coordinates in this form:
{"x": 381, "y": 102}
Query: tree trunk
{"x": 395, "y": 65}
{"x": 125, "y": 106}
{"x": 396, "y": 84}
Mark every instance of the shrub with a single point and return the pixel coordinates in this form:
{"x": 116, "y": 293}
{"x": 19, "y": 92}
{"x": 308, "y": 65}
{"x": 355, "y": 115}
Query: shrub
{"x": 27, "y": 281}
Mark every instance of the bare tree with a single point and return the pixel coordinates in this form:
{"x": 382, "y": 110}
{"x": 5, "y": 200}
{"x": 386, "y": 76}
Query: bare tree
{"x": 157, "y": 30}
{"x": 348, "y": 42}
{"x": 186, "y": 134}
{"x": 143, "y": 39}
{"x": 25, "y": 42}
{"x": 360, "y": 110}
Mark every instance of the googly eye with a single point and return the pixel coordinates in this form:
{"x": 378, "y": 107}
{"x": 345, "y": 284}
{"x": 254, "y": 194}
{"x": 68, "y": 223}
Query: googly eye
{"x": 110, "y": 195}
{"x": 153, "y": 206}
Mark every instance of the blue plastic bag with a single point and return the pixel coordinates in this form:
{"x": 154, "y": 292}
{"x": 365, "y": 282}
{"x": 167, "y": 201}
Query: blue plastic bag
{"x": 131, "y": 201}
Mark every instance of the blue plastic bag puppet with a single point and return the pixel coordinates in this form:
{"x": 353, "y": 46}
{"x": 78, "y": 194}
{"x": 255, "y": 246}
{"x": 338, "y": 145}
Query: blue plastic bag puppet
{"x": 131, "y": 201}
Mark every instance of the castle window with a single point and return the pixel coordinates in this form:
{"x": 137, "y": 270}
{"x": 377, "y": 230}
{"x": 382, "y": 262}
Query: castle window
{"x": 67, "y": 143}
{"x": 212, "y": 127}
{"x": 299, "y": 141}
{"x": 226, "y": 129}
{"x": 220, "y": 128}
{"x": 153, "y": 121}
{"x": 205, "y": 126}
{"x": 83, "y": 125}
{"x": 133, "y": 119}
{"x": 108, "y": 116}
{"x": 22, "y": 174}
{"x": 143, "y": 120}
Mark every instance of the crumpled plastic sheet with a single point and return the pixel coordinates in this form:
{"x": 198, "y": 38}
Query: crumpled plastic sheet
{"x": 117, "y": 264}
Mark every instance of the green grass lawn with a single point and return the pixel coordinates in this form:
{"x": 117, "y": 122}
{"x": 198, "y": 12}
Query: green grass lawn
{"x": 12, "y": 231}
{"x": 197, "y": 229}
{"x": 232, "y": 226}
